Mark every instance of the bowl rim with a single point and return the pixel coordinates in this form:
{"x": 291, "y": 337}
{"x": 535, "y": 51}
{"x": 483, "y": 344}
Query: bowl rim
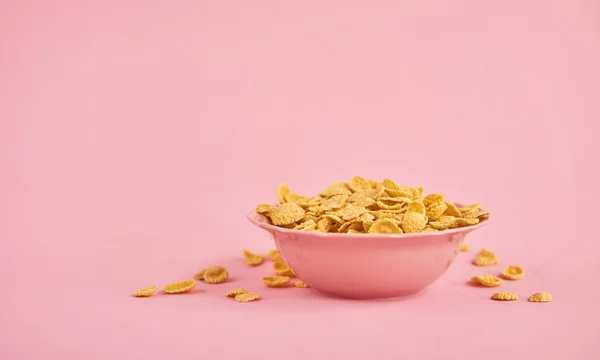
{"x": 255, "y": 218}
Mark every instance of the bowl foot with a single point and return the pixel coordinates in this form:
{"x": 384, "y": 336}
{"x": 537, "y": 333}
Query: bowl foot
{"x": 376, "y": 297}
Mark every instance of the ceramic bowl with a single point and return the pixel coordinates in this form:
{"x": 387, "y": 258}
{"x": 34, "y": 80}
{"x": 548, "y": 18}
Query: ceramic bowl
{"x": 367, "y": 266}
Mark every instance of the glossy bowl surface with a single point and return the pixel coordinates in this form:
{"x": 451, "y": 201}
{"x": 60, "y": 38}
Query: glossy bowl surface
{"x": 367, "y": 266}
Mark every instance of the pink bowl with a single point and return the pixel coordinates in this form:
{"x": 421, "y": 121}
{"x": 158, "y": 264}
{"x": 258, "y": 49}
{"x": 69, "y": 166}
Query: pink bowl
{"x": 367, "y": 266}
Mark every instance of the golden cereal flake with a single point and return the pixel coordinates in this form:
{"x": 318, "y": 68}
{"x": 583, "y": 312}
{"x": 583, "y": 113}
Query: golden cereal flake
{"x": 253, "y": 259}
{"x": 358, "y": 183}
{"x": 466, "y": 222}
{"x": 286, "y": 214}
{"x": 282, "y": 192}
{"x": 483, "y": 214}
{"x": 435, "y": 210}
{"x": 513, "y": 272}
{"x": 200, "y": 275}
{"x": 300, "y": 284}
{"x": 540, "y": 297}
{"x": 247, "y": 297}
{"x": 275, "y": 281}
{"x": 324, "y": 225}
{"x": 352, "y": 224}
{"x": 145, "y": 292}
{"x": 504, "y": 296}
{"x": 236, "y": 292}
{"x": 308, "y": 225}
{"x": 274, "y": 255}
{"x": 464, "y": 247}
{"x": 469, "y": 213}
{"x": 264, "y": 209}
{"x": 451, "y": 210}
{"x": 487, "y": 280}
{"x": 485, "y": 258}
{"x": 216, "y": 275}
{"x": 399, "y": 193}
{"x": 433, "y": 198}
{"x": 428, "y": 228}
{"x": 334, "y": 222}
{"x": 282, "y": 269}
{"x": 339, "y": 188}
{"x": 334, "y": 202}
{"x": 413, "y": 222}
{"x": 385, "y": 226}
{"x": 351, "y": 212}
{"x": 417, "y": 206}
{"x": 389, "y": 206}
{"x": 390, "y": 184}
{"x": 179, "y": 287}
{"x": 352, "y": 231}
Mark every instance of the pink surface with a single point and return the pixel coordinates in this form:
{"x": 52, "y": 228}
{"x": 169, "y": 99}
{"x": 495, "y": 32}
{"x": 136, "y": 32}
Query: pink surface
{"x": 136, "y": 135}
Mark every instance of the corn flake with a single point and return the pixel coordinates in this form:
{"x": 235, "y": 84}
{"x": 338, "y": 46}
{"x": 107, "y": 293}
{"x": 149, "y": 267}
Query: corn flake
{"x": 200, "y": 275}
{"x": 236, "y": 292}
{"x": 216, "y": 275}
{"x": 274, "y": 255}
{"x": 247, "y": 297}
{"x": 512, "y": 272}
{"x": 433, "y": 198}
{"x": 385, "y": 226}
{"x": 275, "y": 281}
{"x": 145, "y": 292}
{"x": 487, "y": 280}
{"x": 464, "y": 247}
{"x": 179, "y": 287}
{"x": 282, "y": 192}
{"x": 504, "y": 296}
{"x": 357, "y": 183}
{"x": 253, "y": 259}
{"x": 435, "y": 210}
{"x": 264, "y": 209}
{"x": 300, "y": 284}
{"x": 282, "y": 269}
{"x": 286, "y": 214}
{"x": 485, "y": 258}
{"x": 416, "y": 206}
{"x": 452, "y": 210}
{"x": 540, "y": 297}
{"x": 413, "y": 222}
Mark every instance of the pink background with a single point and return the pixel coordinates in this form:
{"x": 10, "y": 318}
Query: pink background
{"x": 135, "y": 136}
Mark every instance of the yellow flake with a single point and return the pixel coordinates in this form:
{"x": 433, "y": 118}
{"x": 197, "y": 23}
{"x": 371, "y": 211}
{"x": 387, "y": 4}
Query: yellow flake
{"x": 385, "y": 226}
{"x": 253, "y": 259}
{"x": 282, "y": 269}
{"x": 274, "y": 255}
{"x": 513, "y": 272}
{"x": 179, "y": 287}
{"x": 504, "y": 296}
{"x": 308, "y": 225}
{"x": 200, "y": 275}
{"x": 300, "y": 284}
{"x": 485, "y": 258}
{"x": 466, "y": 222}
{"x": 451, "y": 209}
{"x": 145, "y": 292}
{"x": 416, "y": 206}
{"x": 433, "y": 198}
{"x": 264, "y": 209}
{"x": 464, "y": 247}
{"x": 487, "y": 280}
{"x": 286, "y": 214}
{"x": 413, "y": 222}
{"x": 236, "y": 292}
{"x": 540, "y": 297}
{"x": 275, "y": 281}
{"x": 390, "y": 184}
{"x": 358, "y": 183}
{"x": 351, "y": 212}
{"x": 216, "y": 275}
{"x": 334, "y": 202}
{"x": 435, "y": 210}
{"x": 282, "y": 192}
{"x": 247, "y": 297}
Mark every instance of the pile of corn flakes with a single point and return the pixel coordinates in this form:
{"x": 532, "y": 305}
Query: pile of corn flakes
{"x": 371, "y": 207}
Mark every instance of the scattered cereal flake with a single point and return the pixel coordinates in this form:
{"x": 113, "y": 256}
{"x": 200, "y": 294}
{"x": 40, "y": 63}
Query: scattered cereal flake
{"x": 485, "y": 258}
{"x": 282, "y": 192}
{"x": 416, "y": 206}
{"x": 216, "y": 275}
{"x": 466, "y": 222}
{"x": 513, "y": 272}
{"x": 264, "y": 209}
{"x": 282, "y": 269}
{"x": 300, "y": 284}
{"x": 504, "y": 296}
{"x": 464, "y": 247}
{"x": 540, "y": 297}
{"x": 436, "y": 210}
{"x": 358, "y": 183}
{"x": 433, "y": 198}
{"x": 253, "y": 259}
{"x": 179, "y": 287}
{"x": 385, "y": 226}
{"x": 487, "y": 280}
{"x": 145, "y": 292}
{"x": 413, "y": 222}
{"x": 351, "y": 212}
{"x": 285, "y": 214}
{"x": 236, "y": 292}
{"x": 274, "y": 255}
{"x": 247, "y": 297}
{"x": 451, "y": 209}
{"x": 275, "y": 281}
{"x": 200, "y": 275}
